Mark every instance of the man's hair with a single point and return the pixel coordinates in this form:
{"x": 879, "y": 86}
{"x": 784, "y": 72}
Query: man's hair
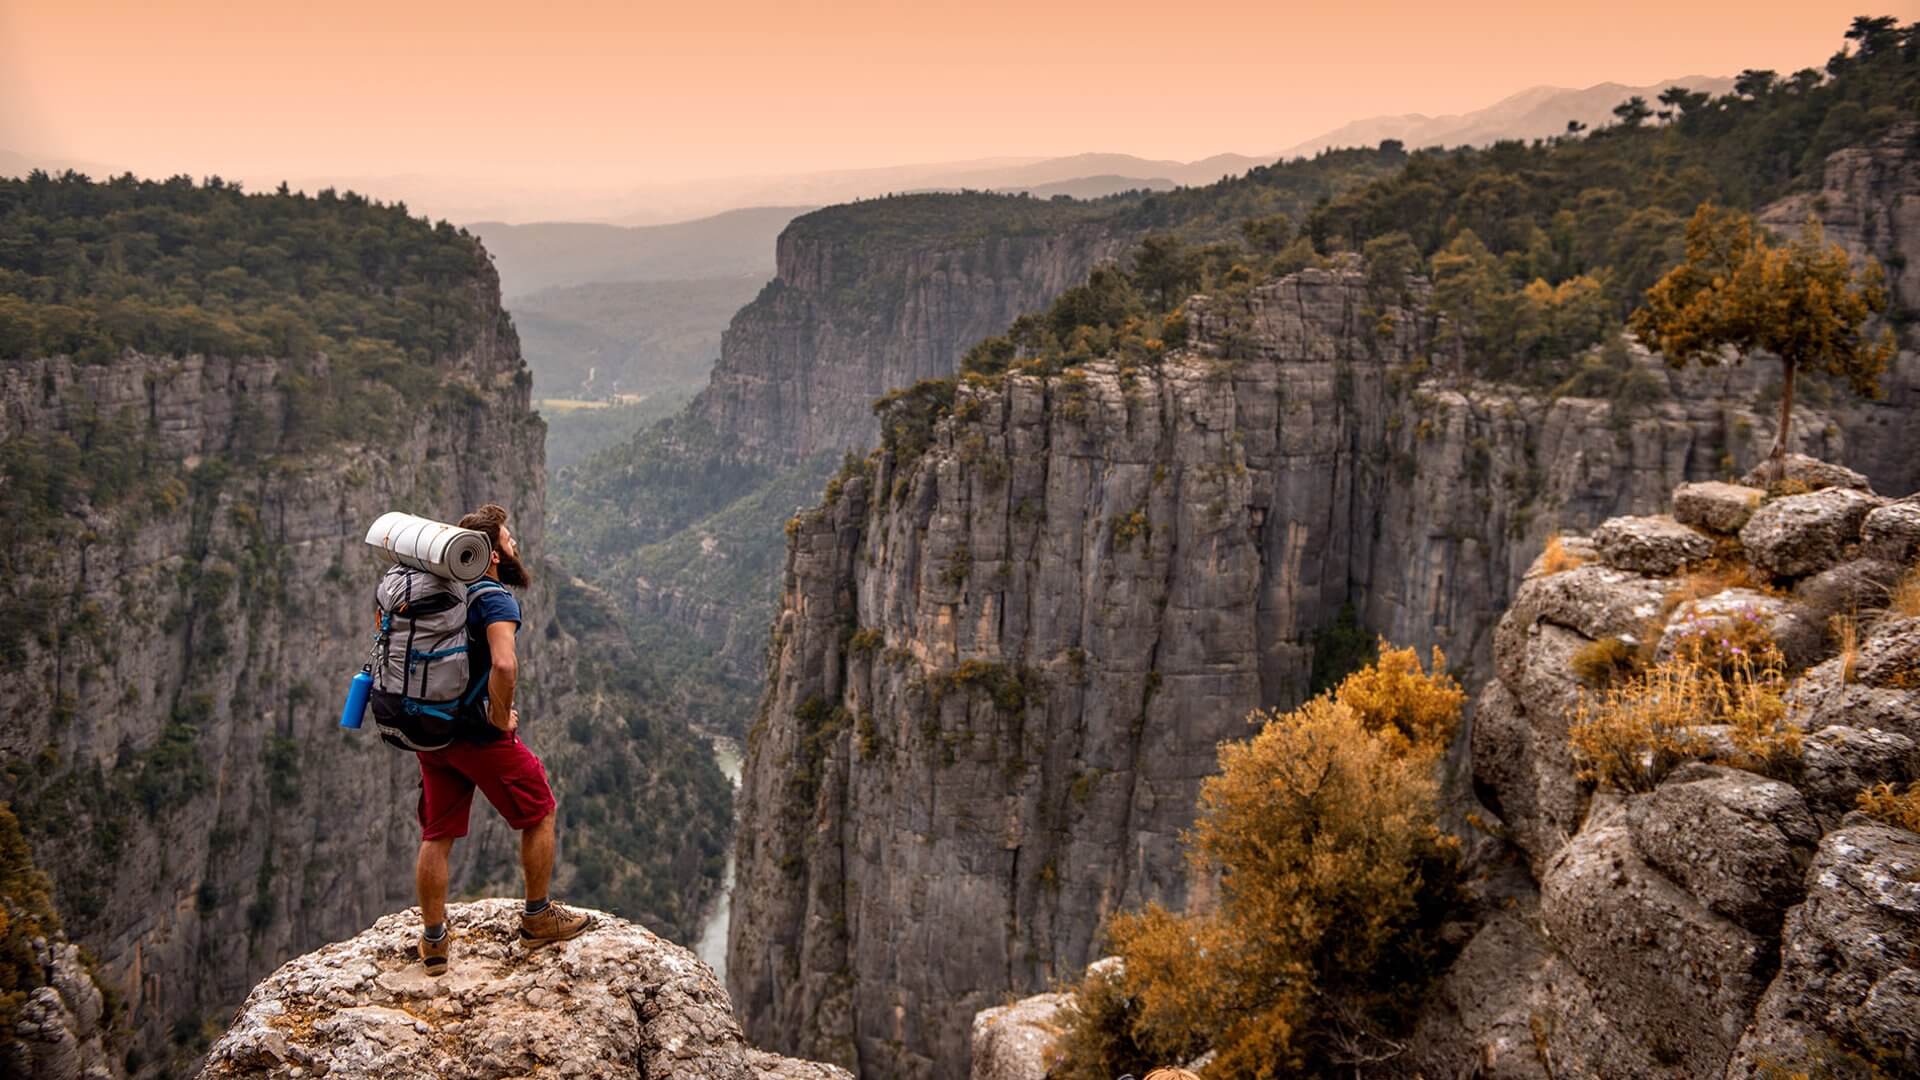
{"x": 487, "y": 519}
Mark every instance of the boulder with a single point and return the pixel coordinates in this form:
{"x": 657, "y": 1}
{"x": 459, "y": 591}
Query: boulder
{"x": 615, "y": 1002}
{"x": 1804, "y": 534}
{"x": 1854, "y": 587}
{"x": 1811, "y": 472}
{"x": 1511, "y": 1008}
{"x": 1839, "y": 762}
{"x": 1010, "y": 1042}
{"x": 1738, "y": 842}
{"x": 1848, "y": 991}
{"x": 1524, "y": 771}
{"x": 1650, "y": 545}
{"x": 1667, "y": 969}
{"x": 1716, "y": 507}
{"x": 1882, "y": 689}
{"x": 1596, "y": 601}
{"x": 1892, "y": 532}
{"x": 1890, "y": 655}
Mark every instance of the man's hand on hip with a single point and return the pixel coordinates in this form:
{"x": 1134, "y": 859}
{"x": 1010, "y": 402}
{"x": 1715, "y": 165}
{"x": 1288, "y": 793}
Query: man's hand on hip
{"x": 513, "y": 721}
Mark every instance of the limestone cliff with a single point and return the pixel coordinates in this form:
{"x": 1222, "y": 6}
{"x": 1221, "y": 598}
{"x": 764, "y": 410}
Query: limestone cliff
{"x": 1001, "y": 669}
{"x": 615, "y": 1003}
{"x": 175, "y": 663}
{"x": 1725, "y": 921}
{"x": 850, "y": 315}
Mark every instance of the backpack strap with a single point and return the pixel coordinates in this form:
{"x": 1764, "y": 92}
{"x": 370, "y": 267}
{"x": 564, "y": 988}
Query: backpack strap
{"x": 485, "y": 584}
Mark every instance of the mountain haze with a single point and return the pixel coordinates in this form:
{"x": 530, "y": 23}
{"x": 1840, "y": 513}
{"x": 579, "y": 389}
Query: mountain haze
{"x": 553, "y": 254}
{"x": 1533, "y": 113}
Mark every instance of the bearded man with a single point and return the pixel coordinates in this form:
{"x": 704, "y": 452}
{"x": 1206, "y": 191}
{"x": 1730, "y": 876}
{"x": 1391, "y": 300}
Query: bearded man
{"x": 487, "y": 753}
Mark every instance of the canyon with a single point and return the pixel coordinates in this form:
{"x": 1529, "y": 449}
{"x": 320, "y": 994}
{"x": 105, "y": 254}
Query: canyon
{"x": 1001, "y": 668}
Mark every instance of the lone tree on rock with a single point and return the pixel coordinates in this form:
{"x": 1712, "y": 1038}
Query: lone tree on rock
{"x": 1801, "y": 301}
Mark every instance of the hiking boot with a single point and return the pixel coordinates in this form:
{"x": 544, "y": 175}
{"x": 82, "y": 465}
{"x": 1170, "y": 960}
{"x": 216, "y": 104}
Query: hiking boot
{"x": 434, "y": 953}
{"x": 554, "y": 924}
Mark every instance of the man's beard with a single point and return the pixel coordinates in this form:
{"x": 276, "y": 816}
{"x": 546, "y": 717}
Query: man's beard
{"x": 513, "y": 572}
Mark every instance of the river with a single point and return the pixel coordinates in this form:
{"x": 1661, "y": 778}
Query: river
{"x": 711, "y": 946}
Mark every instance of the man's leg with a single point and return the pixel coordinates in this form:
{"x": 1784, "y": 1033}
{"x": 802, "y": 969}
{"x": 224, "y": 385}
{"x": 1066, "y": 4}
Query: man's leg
{"x": 536, "y": 857}
{"x": 430, "y": 879}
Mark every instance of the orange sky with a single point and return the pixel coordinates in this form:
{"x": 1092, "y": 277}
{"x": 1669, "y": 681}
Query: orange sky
{"x": 571, "y": 94}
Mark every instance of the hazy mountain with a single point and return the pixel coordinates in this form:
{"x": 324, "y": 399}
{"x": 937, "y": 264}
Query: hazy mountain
{"x": 636, "y": 337}
{"x": 1533, "y": 113}
{"x": 1092, "y": 187}
{"x": 704, "y": 204}
{"x": 738, "y": 243}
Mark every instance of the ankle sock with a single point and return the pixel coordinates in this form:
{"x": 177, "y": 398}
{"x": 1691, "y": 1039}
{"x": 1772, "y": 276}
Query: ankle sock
{"x": 436, "y": 931}
{"x": 535, "y": 907}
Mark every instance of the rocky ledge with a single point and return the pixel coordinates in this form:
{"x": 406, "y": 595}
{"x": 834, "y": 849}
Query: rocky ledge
{"x": 616, "y": 1002}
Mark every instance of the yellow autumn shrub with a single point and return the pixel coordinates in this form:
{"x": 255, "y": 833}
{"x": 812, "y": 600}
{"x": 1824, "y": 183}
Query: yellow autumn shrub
{"x": 1333, "y": 879}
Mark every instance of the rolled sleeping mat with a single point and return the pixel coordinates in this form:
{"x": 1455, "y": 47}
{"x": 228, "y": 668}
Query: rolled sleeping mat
{"x": 440, "y": 549}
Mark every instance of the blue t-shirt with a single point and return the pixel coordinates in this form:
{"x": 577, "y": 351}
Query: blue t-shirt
{"x": 485, "y": 605}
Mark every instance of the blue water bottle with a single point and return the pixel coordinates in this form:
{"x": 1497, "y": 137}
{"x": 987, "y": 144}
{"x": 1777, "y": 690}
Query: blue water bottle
{"x": 356, "y": 705}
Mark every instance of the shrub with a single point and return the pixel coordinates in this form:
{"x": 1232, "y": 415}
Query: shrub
{"x": 1899, "y": 810}
{"x": 26, "y": 913}
{"x": 1906, "y": 595}
{"x": 1096, "y": 1040}
{"x": 1556, "y": 559}
{"x": 1339, "y": 650}
{"x": 1128, "y": 527}
{"x": 1600, "y": 664}
{"x": 1414, "y": 710}
{"x": 1334, "y": 880}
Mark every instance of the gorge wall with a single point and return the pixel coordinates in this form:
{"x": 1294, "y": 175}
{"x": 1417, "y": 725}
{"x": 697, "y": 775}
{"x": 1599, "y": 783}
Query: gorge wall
{"x": 1001, "y": 670}
{"x": 174, "y": 667}
{"x": 854, "y": 311}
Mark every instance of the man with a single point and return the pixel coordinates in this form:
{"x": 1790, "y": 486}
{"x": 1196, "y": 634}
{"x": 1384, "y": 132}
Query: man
{"x": 489, "y": 755}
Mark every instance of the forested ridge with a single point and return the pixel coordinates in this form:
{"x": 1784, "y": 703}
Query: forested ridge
{"x": 1535, "y": 250}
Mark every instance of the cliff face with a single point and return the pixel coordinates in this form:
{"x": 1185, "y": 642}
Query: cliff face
{"x": 1723, "y": 921}
{"x": 176, "y": 665}
{"x": 844, "y": 322}
{"x": 1001, "y": 670}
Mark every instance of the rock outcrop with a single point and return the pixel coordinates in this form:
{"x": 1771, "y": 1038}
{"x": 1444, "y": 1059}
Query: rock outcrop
{"x": 1724, "y": 922}
{"x": 1002, "y": 669}
{"x": 616, "y": 1002}
{"x": 64, "y": 1025}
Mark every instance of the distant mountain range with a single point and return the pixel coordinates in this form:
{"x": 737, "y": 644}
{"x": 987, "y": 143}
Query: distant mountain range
{"x": 549, "y": 255}
{"x": 1533, "y": 113}
{"x": 1530, "y": 114}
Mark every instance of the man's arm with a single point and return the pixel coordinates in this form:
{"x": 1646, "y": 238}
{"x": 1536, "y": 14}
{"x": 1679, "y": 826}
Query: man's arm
{"x": 500, "y": 680}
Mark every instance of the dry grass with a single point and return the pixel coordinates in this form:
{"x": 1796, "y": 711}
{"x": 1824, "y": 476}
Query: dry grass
{"x": 1556, "y": 559}
{"x": 1600, "y": 664}
{"x": 1846, "y": 637}
{"x": 1716, "y": 575}
{"x": 1906, "y": 595}
{"x": 1901, "y": 811}
{"x": 1727, "y": 672}
{"x": 1630, "y": 737}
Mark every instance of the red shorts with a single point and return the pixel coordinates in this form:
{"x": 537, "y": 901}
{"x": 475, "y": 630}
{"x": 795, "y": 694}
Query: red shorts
{"x": 514, "y": 780}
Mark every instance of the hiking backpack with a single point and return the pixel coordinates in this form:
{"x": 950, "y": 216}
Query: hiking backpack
{"x": 420, "y": 673}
